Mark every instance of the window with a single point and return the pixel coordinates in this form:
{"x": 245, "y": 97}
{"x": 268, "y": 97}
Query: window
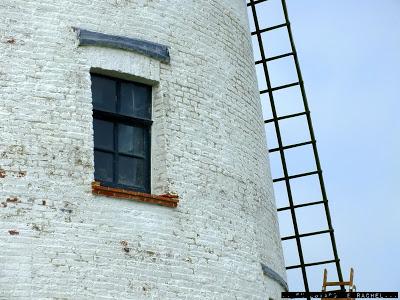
{"x": 121, "y": 125}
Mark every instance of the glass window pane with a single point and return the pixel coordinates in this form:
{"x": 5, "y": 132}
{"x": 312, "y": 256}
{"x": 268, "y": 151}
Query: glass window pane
{"x": 131, "y": 140}
{"x": 103, "y": 134}
{"x": 104, "y": 93}
{"x": 135, "y": 100}
{"x": 103, "y": 166}
{"x": 131, "y": 171}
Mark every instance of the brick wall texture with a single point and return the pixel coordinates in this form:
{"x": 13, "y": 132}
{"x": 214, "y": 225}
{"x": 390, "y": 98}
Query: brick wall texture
{"x": 58, "y": 241}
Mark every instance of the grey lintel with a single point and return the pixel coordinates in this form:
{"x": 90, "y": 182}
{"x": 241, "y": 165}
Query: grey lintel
{"x": 274, "y": 276}
{"x": 151, "y": 49}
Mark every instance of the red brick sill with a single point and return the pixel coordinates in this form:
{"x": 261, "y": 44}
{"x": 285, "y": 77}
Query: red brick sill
{"x": 167, "y": 200}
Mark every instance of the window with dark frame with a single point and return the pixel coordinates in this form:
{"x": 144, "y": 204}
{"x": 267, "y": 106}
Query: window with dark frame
{"x": 122, "y": 129}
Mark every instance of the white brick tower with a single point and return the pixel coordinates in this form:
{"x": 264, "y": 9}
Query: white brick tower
{"x": 193, "y": 215}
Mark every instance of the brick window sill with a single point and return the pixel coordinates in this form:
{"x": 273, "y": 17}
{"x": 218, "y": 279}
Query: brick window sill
{"x": 167, "y": 200}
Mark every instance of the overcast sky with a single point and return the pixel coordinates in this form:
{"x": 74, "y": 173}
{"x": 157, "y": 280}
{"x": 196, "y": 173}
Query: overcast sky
{"x": 349, "y": 53}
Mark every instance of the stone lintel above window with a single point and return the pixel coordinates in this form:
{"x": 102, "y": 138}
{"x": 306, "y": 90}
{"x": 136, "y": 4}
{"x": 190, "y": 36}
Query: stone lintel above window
{"x": 147, "y": 48}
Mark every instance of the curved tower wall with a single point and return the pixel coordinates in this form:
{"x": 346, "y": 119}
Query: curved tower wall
{"x": 58, "y": 240}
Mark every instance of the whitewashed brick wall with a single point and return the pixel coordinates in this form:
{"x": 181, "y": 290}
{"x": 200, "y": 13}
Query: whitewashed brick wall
{"x": 57, "y": 240}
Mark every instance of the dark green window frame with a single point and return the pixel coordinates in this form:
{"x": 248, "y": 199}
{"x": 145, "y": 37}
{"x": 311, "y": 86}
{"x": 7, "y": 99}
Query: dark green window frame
{"x": 122, "y": 133}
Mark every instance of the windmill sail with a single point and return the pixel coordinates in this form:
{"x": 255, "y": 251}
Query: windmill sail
{"x": 256, "y": 14}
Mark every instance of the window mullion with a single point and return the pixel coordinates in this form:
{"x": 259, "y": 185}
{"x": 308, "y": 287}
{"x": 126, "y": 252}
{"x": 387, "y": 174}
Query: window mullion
{"x": 106, "y": 115}
{"x": 116, "y": 129}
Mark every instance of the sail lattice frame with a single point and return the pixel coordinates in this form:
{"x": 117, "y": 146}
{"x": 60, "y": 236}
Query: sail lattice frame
{"x": 253, "y": 6}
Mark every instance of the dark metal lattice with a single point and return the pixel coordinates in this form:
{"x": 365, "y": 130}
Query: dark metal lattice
{"x": 254, "y": 9}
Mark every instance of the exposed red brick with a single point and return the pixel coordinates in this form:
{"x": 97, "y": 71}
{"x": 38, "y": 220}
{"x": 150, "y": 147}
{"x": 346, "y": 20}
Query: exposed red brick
{"x": 12, "y": 200}
{"x": 21, "y": 174}
{"x": 164, "y": 200}
{"x": 11, "y": 40}
{"x": 13, "y": 232}
{"x": 171, "y": 196}
{"x": 2, "y": 173}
